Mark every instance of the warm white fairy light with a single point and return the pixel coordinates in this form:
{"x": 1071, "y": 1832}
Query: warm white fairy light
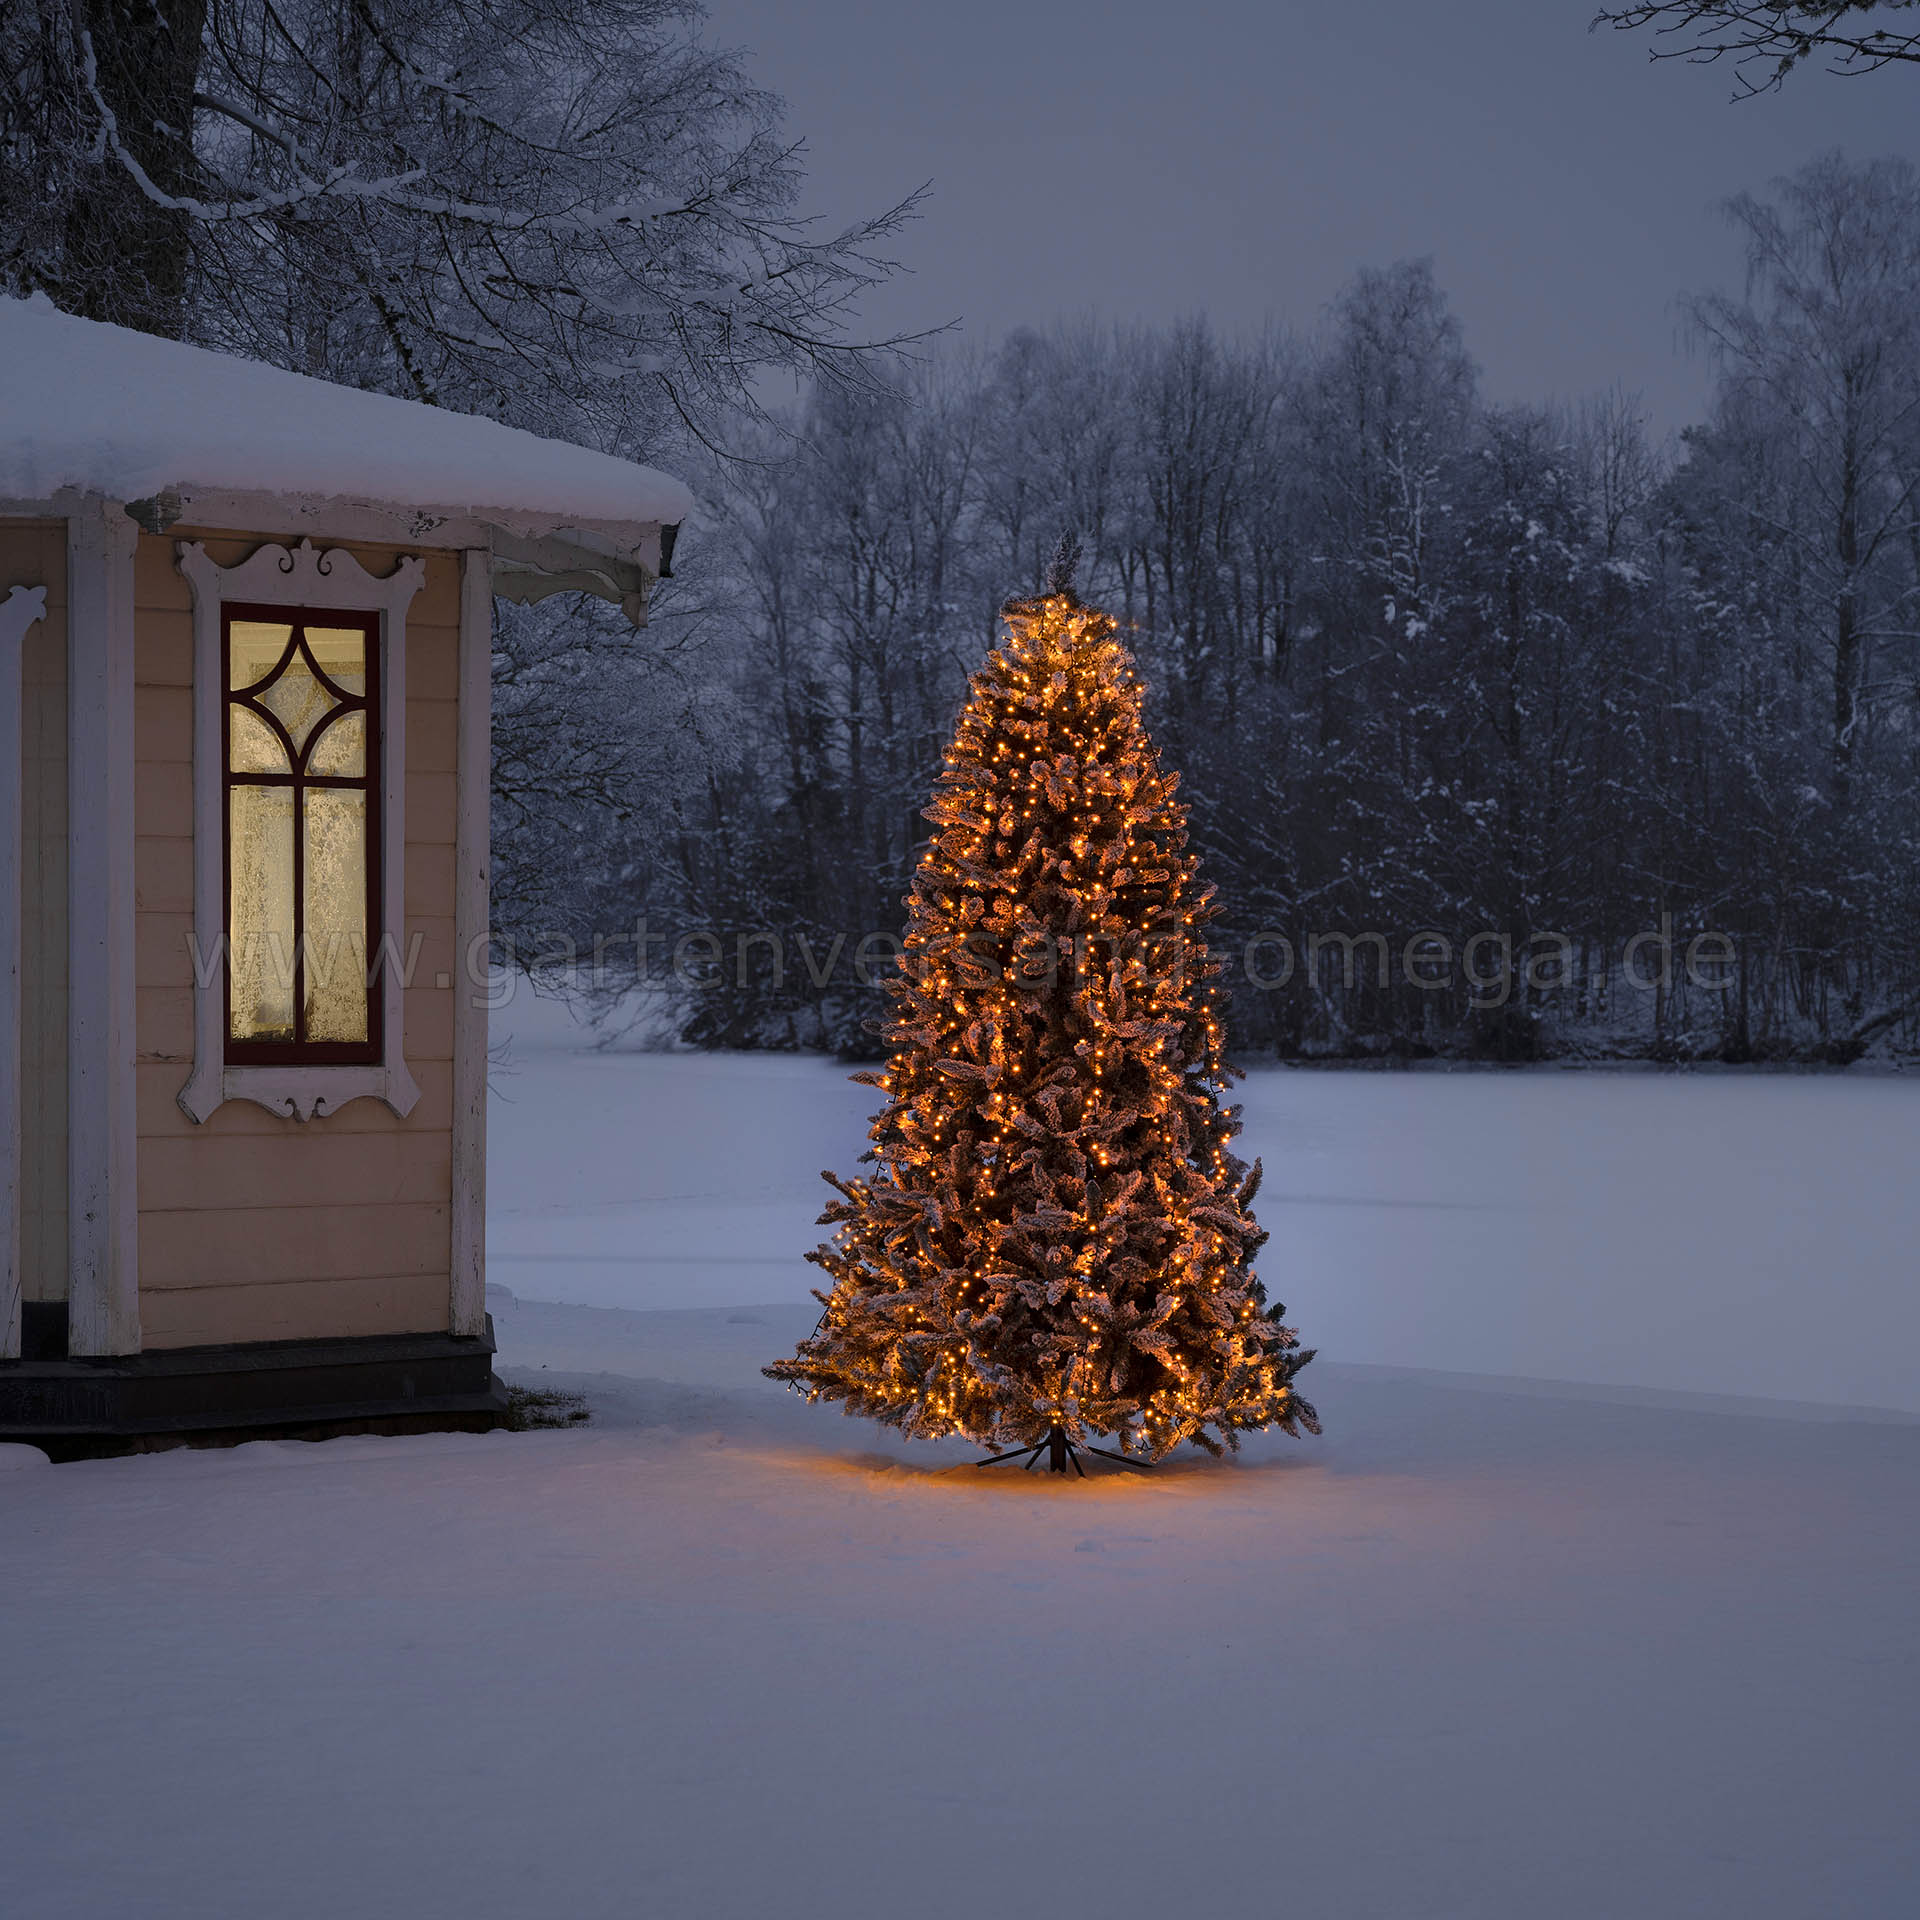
{"x": 1058, "y": 1234}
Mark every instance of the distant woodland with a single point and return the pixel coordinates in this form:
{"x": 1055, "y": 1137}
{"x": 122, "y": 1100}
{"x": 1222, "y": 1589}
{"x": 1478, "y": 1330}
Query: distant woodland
{"x": 1437, "y": 671}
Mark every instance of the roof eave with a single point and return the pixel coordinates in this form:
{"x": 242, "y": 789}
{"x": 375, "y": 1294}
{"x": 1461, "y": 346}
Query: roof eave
{"x": 535, "y": 554}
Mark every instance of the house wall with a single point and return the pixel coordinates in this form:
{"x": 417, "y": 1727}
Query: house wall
{"x": 251, "y": 1226}
{"x": 33, "y": 554}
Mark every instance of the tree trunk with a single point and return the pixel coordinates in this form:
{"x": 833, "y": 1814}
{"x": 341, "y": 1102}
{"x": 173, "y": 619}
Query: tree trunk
{"x": 1846, "y": 635}
{"x": 125, "y": 258}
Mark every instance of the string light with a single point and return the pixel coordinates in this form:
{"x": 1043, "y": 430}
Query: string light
{"x": 1051, "y": 1239}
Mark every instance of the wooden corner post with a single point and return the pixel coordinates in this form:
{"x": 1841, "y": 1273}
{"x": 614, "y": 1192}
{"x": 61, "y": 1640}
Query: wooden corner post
{"x": 103, "y": 1300}
{"x": 18, "y": 611}
{"x": 473, "y": 786}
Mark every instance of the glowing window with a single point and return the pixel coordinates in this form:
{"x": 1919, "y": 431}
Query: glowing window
{"x": 302, "y": 785}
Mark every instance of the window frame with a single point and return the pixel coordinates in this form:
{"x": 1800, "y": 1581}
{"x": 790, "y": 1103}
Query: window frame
{"x": 299, "y": 1051}
{"x": 286, "y": 577}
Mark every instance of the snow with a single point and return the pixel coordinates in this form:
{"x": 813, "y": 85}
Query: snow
{"x": 1488, "y": 1649}
{"x": 722, "y": 1654}
{"x": 1740, "y": 1235}
{"x": 123, "y": 414}
{"x": 657, "y": 1179}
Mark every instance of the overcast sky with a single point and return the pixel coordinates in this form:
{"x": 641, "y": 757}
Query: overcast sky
{"x": 1245, "y": 156}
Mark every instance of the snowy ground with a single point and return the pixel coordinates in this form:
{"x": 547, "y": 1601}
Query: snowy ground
{"x": 722, "y": 1655}
{"x": 1700, "y": 1233}
{"x": 1495, "y": 1650}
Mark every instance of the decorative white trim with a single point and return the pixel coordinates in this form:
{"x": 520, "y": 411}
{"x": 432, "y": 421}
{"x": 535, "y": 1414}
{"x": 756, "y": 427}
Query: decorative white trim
{"x": 103, "y": 1299}
{"x": 453, "y": 529}
{"x": 473, "y": 784}
{"x": 21, "y": 608}
{"x": 300, "y": 577}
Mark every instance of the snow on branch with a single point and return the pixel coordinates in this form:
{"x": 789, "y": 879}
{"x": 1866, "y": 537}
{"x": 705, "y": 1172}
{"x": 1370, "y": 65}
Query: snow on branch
{"x": 583, "y": 220}
{"x": 1776, "y": 38}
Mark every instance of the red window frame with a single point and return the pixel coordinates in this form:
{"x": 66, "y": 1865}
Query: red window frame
{"x": 301, "y": 1052}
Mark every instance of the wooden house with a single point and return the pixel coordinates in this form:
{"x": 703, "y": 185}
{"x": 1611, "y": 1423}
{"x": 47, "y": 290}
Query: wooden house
{"x": 245, "y": 640}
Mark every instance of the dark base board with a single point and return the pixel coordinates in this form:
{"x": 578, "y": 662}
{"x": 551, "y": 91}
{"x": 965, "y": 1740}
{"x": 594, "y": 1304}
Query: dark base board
{"x": 274, "y": 1389}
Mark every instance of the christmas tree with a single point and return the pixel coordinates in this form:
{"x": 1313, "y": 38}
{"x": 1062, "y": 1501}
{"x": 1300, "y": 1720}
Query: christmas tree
{"x": 1056, "y": 1242}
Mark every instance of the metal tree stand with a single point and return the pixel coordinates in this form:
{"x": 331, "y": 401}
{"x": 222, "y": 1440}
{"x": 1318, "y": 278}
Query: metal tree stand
{"x": 1059, "y": 1451}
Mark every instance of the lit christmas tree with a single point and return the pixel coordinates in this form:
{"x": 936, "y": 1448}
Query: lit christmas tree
{"x": 1056, "y": 1242}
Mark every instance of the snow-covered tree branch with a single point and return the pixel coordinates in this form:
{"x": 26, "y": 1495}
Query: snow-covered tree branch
{"x": 1766, "y": 42}
{"x": 580, "y": 217}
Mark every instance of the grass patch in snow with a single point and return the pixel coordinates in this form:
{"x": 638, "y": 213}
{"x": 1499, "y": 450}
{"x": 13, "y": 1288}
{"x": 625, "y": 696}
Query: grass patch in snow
{"x": 531, "y": 1408}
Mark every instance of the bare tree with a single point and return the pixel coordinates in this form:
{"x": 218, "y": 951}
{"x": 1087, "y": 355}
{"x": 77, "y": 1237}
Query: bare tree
{"x": 574, "y": 214}
{"x": 1823, "y": 357}
{"x": 1767, "y": 41}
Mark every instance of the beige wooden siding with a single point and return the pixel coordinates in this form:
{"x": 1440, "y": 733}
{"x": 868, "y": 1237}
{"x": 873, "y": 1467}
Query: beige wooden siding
{"x": 254, "y": 1227}
{"x": 34, "y": 554}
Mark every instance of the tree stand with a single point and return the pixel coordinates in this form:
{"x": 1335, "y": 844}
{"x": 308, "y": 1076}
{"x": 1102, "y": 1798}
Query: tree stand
{"x": 1059, "y": 1451}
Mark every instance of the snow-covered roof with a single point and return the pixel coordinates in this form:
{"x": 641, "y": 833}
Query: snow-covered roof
{"x": 123, "y": 414}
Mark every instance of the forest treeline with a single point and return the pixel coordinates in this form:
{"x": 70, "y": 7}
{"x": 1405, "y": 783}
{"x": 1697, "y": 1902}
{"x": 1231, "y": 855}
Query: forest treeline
{"x": 1451, "y": 683}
